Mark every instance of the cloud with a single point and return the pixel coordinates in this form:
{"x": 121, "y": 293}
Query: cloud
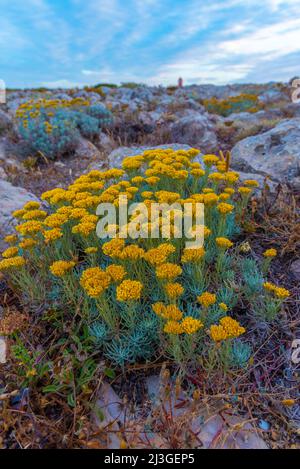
{"x": 63, "y": 83}
{"x": 147, "y": 41}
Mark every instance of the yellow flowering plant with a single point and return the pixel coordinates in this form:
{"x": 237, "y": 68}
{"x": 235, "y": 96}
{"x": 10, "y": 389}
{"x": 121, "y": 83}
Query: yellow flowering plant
{"x": 143, "y": 297}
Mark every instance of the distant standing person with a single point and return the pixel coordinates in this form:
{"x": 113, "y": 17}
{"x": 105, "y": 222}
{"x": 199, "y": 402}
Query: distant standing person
{"x": 180, "y": 83}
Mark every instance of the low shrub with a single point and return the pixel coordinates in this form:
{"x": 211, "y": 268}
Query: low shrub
{"x": 136, "y": 300}
{"x": 232, "y": 104}
{"x": 51, "y": 128}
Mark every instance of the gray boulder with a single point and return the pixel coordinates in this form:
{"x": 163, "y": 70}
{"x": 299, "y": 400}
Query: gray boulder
{"x": 12, "y": 198}
{"x": 275, "y": 153}
{"x": 195, "y": 130}
{"x": 86, "y": 150}
{"x": 5, "y": 121}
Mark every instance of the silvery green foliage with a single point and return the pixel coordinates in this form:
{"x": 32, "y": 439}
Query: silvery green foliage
{"x": 88, "y": 126}
{"x": 98, "y": 332}
{"x": 252, "y": 277}
{"x": 240, "y": 354}
{"x": 119, "y": 352}
{"x": 67, "y": 126}
{"x": 61, "y": 140}
{"x": 99, "y": 112}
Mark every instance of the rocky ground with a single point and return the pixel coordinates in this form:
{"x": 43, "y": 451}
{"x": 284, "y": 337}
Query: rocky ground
{"x": 264, "y": 145}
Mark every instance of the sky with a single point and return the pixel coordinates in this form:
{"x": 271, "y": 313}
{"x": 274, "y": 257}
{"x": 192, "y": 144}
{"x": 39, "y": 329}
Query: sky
{"x": 66, "y": 43}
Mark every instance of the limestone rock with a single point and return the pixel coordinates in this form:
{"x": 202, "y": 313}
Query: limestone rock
{"x": 12, "y": 198}
{"x": 275, "y": 153}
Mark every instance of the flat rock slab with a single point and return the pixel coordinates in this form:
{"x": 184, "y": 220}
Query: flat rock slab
{"x": 215, "y": 428}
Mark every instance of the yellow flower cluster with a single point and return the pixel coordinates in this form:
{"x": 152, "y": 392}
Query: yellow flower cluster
{"x": 12, "y": 263}
{"x": 170, "y": 312}
{"x": 192, "y": 255}
{"x": 10, "y": 252}
{"x": 280, "y": 292}
{"x": 129, "y": 290}
{"x": 173, "y": 290}
{"x": 270, "y": 253}
{"x": 27, "y": 243}
{"x": 228, "y": 328}
{"x": 68, "y": 229}
{"x": 168, "y": 271}
{"x": 159, "y": 255}
{"x": 173, "y": 315}
{"x": 61, "y": 268}
{"x": 207, "y": 299}
{"x": 116, "y": 272}
{"x": 95, "y": 281}
{"x": 223, "y": 243}
{"x": 224, "y": 208}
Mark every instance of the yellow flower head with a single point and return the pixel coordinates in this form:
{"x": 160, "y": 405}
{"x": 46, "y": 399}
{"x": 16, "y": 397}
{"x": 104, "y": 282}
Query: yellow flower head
{"x": 12, "y": 263}
{"x": 216, "y": 177}
{"x": 231, "y": 177}
{"x": 91, "y": 250}
{"x": 131, "y": 252}
{"x": 116, "y": 272}
{"x": 61, "y": 268}
{"x": 224, "y": 208}
{"x": 168, "y": 271}
{"x": 197, "y": 172}
{"x": 270, "y": 253}
{"x": 169, "y": 312}
{"x": 129, "y": 290}
{"x": 114, "y": 247}
{"x": 11, "y": 239}
{"x": 223, "y": 243}
{"x": 244, "y": 190}
{"x": 228, "y": 328}
{"x": 84, "y": 229}
{"x": 10, "y": 252}
{"x": 56, "y": 220}
{"x": 229, "y": 190}
{"x": 34, "y": 215}
{"x": 191, "y": 325}
{"x": 251, "y": 183}
{"x": 232, "y": 327}
{"x": 269, "y": 286}
{"x": 159, "y": 255}
{"x": 281, "y": 293}
{"x": 210, "y": 199}
{"x": 27, "y": 243}
{"x": 224, "y": 196}
{"x": 223, "y": 307}
{"x": 32, "y": 205}
{"x": 207, "y": 299}
{"x": 29, "y": 227}
{"x": 192, "y": 255}
{"x": 52, "y": 235}
{"x": 95, "y": 281}
{"x": 209, "y": 160}
{"x": 137, "y": 180}
{"x": 173, "y": 290}
{"x": 173, "y": 327}
{"x": 19, "y": 213}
